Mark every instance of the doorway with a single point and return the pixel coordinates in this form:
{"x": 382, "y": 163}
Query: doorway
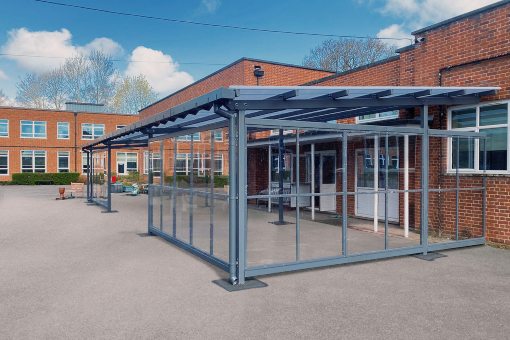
{"x": 324, "y": 178}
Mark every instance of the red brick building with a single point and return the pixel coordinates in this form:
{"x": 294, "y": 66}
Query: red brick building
{"x": 469, "y": 50}
{"x": 33, "y": 140}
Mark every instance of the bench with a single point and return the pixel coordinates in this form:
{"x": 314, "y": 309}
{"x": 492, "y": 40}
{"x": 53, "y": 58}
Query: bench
{"x": 77, "y": 189}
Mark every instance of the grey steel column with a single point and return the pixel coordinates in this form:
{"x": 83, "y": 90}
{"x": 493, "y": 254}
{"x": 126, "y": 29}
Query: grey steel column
{"x": 386, "y": 168}
{"x": 298, "y": 224}
{"x": 344, "y": 193}
{"x": 150, "y": 192}
{"x": 191, "y": 179}
{"x": 89, "y": 179}
{"x": 281, "y": 159}
{"x": 457, "y": 183}
{"x": 91, "y": 166}
{"x": 161, "y": 182}
{"x": 425, "y": 179}
{"x": 174, "y": 194}
{"x": 242, "y": 174}
{"x": 109, "y": 181}
{"x": 232, "y": 193}
{"x": 211, "y": 197}
{"x": 484, "y": 185}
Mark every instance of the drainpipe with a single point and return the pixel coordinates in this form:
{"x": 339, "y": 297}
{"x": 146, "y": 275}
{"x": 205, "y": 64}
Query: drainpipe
{"x": 232, "y": 221}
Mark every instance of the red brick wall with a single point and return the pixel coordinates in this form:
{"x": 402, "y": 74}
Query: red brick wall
{"x": 14, "y": 143}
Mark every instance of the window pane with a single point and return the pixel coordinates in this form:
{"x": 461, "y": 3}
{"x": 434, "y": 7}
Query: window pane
{"x": 4, "y": 127}
{"x": 464, "y": 118}
{"x": 39, "y": 129}
{"x": 493, "y": 114}
{"x": 466, "y": 153}
{"x": 4, "y": 164}
{"x": 98, "y": 130}
{"x": 26, "y": 129}
{"x": 496, "y": 149}
{"x": 63, "y": 130}
{"x": 86, "y": 131}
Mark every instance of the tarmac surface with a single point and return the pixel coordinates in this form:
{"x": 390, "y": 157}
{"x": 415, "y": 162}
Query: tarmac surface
{"x": 69, "y": 271}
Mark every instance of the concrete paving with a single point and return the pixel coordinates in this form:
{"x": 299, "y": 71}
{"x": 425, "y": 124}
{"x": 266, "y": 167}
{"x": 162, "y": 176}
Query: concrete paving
{"x": 69, "y": 271}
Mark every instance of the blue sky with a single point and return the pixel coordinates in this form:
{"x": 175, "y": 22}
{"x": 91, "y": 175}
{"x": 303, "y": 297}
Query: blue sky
{"x": 162, "y": 50}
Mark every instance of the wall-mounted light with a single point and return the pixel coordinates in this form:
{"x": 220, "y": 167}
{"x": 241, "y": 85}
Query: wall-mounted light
{"x": 258, "y": 72}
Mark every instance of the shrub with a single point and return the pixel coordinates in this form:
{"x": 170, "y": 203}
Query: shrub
{"x": 30, "y": 178}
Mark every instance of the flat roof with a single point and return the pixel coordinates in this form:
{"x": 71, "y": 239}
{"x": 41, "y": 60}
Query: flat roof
{"x": 287, "y": 103}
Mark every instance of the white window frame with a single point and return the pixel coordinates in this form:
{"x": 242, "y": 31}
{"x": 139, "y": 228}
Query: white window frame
{"x": 68, "y": 130}
{"x": 378, "y": 117}
{"x": 33, "y": 123}
{"x": 93, "y": 136}
{"x": 477, "y": 128}
{"x": 276, "y": 132}
{"x": 146, "y": 162}
{"x": 7, "y": 155}
{"x": 66, "y": 154}
{"x": 126, "y": 171}
{"x": 33, "y": 160}
{"x": 6, "y": 123}
{"x": 220, "y": 134}
{"x": 84, "y": 162}
{"x": 187, "y": 138}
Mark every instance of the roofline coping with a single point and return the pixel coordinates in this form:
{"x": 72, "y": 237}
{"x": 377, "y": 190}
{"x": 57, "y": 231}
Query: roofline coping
{"x": 65, "y": 111}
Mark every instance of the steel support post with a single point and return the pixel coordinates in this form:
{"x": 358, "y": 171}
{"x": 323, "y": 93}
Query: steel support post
{"x": 232, "y": 196}
{"x": 457, "y": 183}
{"x": 484, "y": 185}
{"x": 376, "y": 183}
{"x": 312, "y": 161}
{"x": 211, "y": 197}
{"x": 174, "y": 193}
{"x": 269, "y": 175}
{"x": 91, "y": 165}
{"x": 424, "y": 206}
{"x": 242, "y": 174}
{"x": 386, "y": 172}
{"x": 109, "y": 181}
{"x": 161, "y": 184}
{"x": 406, "y": 185}
{"x": 281, "y": 159}
{"x": 191, "y": 186}
{"x": 298, "y": 224}
{"x": 89, "y": 179}
{"x": 150, "y": 192}
{"x": 344, "y": 193}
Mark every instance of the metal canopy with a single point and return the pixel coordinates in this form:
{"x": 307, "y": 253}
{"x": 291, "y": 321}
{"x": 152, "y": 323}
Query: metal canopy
{"x": 297, "y": 103}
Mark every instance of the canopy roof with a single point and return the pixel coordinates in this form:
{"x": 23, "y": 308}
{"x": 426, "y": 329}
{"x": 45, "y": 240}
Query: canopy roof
{"x": 298, "y": 103}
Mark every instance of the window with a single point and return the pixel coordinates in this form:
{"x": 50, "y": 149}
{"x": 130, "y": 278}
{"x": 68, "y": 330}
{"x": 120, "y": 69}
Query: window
{"x": 127, "y": 162}
{"x": 118, "y": 127}
{"x": 33, "y": 129}
{"x": 4, "y": 162}
{"x": 181, "y": 164}
{"x": 201, "y": 164}
{"x": 62, "y": 130}
{"x": 156, "y": 163}
{"x": 91, "y": 131}
{"x": 218, "y": 135}
{"x": 84, "y": 162}
{"x": 33, "y": 161}
{"x": 196, "y": 137}
{"x": 276, "y": 132}
{"x": 374, "y": 117}
{"x": 63, "y": 161}
{"x": 4, "y": 128}
{"x": 492, "y": 120}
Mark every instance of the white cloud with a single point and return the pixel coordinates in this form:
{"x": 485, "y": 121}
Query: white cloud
{"x": 211, "y": 5}
{"x": 395, "y": 31}
{"x": 58, "y": 44}
{"x": 415, "y": 14}
{"x": 161, "y": 71}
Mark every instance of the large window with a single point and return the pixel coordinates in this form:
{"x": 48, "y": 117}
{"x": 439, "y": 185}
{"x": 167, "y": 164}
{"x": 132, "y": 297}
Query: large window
{"x": 127, "y": 162}
{"x": 156, "y": 163}
{"x": 201, "y": 164}
{"x": 218, "y": 135}
{"x": 91, "y": 131}
{"x": 33, "y": 129}
{"x": 490, "y": 119}
{"x": 374, "y": 117}
{"x": 4, "y": 162}
{"x": 84, "y": 162}
{"x": 63, "y": 130}
{"x": 196, "y": 137}
{"x": 33, "y": 161}
{"x": 63, "y": 161}
{"x": 4, "y": 128}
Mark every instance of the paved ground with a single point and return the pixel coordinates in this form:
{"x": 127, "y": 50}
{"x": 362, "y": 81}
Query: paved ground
{"x": 69, "y": 271}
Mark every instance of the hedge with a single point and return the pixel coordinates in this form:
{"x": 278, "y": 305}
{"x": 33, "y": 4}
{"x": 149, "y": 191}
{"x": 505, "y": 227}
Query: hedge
{"x": 30, "y": 178}
{"x": 219, "y": 181}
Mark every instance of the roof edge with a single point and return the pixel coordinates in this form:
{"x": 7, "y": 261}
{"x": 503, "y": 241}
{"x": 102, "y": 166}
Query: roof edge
{"x": 356, "y": 69}
{"x": 8, "y": 107}
{"x": 461, "y": 16}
